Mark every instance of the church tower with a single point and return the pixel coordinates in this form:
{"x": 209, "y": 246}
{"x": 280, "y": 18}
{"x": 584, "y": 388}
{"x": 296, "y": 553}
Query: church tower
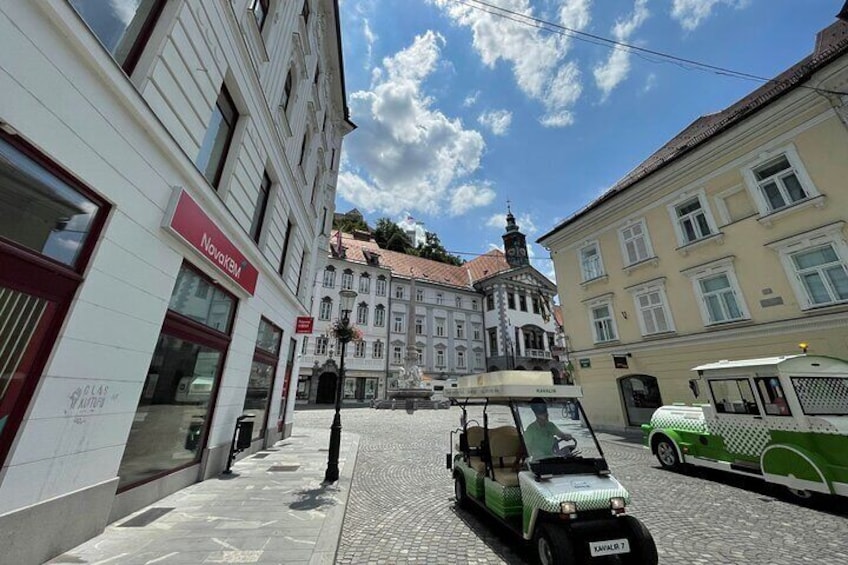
{"x": 515, "y": 244}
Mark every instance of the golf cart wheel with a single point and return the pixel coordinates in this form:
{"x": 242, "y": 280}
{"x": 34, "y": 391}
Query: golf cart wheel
{"x": 552, "y": 546}
{"x": 643, "y": 550}
{"x": 666, "y": 453}
{"x": 459, "y": 490}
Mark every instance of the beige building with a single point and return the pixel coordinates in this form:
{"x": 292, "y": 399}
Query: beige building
{"x": 729, "y": 242}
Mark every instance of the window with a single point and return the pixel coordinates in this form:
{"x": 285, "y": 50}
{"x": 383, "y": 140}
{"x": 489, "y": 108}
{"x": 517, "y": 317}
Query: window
{"x": 260, "y": 11}
{"x": 122, "y": 28}
{"x": 823, "y": 275}
{"x": 284, "y": 253}
{"x": 397, "y": 323}
{"x": 717, "y": 289}
{"x": 590, "y": 262}
{"x": 400, "y": 292}
{"x": 419, "y": 295}
{"x": 440, "y": 327}
{"x": 377, "y": 352}
{"x": 475, "y": 305}
{"x": 460, "y": 359}
{"x": 347, "y": 279}
{"x": 288, "y": 88}
{"x": 260, "y": 382}
{"x": 324, "y": 221}
{"x": 397, "y": 355}
{"x": 364, "y": 283}
{"x": 822, "y": 396}
{"x": 477, "y": 331}
{"x": 440, "y": 298}
{"x": 321, "y": 345}
{"x": 460, "y": 330}
{"x": 329, "y": 277}
{"x": 733, "y": 396}
{"x": 215, "y": 310}
{"x": 603, "y": 325}
{"x": 362, "y": 314}
{"x": 692, "y": 223}
{"x": 478, "y": 359}
{"x": 381, "y": 286}
{"x": 493, "y": 342}
{"x": 219, "y": 135}
{"x": 490, "y": 302}
{"x": 634, "y": 243}
{"x": 458, "y": 302}
{"x": 304, "y": 345}
{"x": 510, "y": 301}
{"x": 419, "y": 356}
{"x": 772, "y": 396}
{"x": 380, "y": 316}
{"x": 537, "y": 308}
{"x": 419, "y": 326}
{"x": 440, "y": 358}
{"x": 301, "y": 268}
{"x": 261, "y": 205}
{"x": 359, "y": 348}
{"x": 779, "y": 184}
{"x": 304, "y": 148}
{"x": 325, "y": 310}
{"x": 652, "y": 306}
{"x": 522, "y": 302}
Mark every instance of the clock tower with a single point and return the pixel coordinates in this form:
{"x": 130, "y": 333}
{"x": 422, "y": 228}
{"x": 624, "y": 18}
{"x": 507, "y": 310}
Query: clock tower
{"x": 515, "y": 244}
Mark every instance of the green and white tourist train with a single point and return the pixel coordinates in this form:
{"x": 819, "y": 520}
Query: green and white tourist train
{"x": 783, "y": 419}
{"x": 527, "y": 455}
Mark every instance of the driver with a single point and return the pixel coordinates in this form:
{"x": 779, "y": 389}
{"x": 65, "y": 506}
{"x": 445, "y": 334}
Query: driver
{"x": 542, "y": 434}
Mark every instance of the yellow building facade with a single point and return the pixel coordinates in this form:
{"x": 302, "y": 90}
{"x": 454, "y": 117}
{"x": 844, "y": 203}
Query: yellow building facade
{"x": 727, "y": 243}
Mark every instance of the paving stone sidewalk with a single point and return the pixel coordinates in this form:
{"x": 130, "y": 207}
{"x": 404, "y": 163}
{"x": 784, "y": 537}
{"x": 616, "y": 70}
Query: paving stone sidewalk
{"x": 272, "y": 509}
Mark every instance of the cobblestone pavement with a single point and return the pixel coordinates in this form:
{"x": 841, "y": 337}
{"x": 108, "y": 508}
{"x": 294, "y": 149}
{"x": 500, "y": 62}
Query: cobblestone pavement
{"x": 401, "y": 507}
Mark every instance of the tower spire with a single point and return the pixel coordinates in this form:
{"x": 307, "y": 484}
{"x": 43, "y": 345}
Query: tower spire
{"x": 515, "y": 244}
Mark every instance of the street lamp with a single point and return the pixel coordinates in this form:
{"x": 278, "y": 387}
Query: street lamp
{"x": 344, "y": 333}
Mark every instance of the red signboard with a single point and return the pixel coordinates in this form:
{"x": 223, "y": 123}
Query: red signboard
{"x": 191, "y": 224}
{"x": 304, "y": 325}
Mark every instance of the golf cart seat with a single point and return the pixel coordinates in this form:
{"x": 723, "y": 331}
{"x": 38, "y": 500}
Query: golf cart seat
{"x": 474, "y": 436}
{"x": 505, "y": 451}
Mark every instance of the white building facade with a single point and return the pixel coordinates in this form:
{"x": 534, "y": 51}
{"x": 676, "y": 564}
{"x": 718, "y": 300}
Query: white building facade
{"x": 165, "y": 172}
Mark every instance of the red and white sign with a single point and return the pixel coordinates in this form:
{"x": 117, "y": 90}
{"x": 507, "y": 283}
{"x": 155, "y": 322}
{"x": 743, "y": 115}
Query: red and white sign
{"x": 303, "y": 325}
{"x": 190, "y": 223}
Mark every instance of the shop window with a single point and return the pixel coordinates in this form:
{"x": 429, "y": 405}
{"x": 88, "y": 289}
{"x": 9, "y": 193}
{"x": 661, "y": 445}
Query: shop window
{"x": 215, "y": 309}
{"x": 349, "y": 389}
{"x": 123, "y": 28}
{"x": 261, "y": 206}
{"x": 219, "y": 136}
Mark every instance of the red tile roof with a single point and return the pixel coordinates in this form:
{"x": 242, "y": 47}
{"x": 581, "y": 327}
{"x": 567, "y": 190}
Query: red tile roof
{"x": 831, "y": 42}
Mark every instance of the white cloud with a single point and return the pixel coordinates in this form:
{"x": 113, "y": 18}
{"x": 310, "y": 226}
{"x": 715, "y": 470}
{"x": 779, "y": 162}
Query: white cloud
{"x": 470, "y": 196}
{"x": 124, "y": 10}
{"x": 406, "y": 154}
{"x": 538, "y": 59}
{"x": 650, "y": 83}
{"x": 610, "y": 74}
{"x": 525, "y": 223}
{"x": 690, "y": 13}
{"x": 471, "y": 99}
{"x": 370, "y": 39}
{"x": 498, "y": 121}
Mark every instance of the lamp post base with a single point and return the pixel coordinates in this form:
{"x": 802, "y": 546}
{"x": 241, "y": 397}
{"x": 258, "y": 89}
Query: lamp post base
{"x": 332, "y": 473}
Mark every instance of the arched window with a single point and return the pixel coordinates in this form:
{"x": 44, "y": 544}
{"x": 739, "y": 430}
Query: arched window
{"x": 362, "y": 314}
{"x": 329, "y": 277}
{"x": 347, "y": 279}
{"x": 380, "y": 316}
{"x": 326, "y": 309}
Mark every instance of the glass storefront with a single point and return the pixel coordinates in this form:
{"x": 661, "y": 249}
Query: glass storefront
{"x": 258, "y": 398}
{"x": 170, "y": 425}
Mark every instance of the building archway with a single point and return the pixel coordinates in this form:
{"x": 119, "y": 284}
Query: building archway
{"x": 326, "y": 389}
{"x": 641, "y": 395}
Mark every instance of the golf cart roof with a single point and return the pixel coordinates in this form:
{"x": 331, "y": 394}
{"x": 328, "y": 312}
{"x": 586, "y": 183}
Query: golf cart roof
{"x": 514, "y": 385}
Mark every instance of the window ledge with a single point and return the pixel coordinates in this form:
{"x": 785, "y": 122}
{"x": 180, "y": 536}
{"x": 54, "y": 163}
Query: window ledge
{"x": 652, "y": 261}
{"x": 589, "y": 282}
{"x": 717, "y": 238}
{"x": 817, "y": 307}
{"x": 255, "y": 39}
{"x": 284, "y": 121}
{"x": 610, "y": 342}
{"x": 815, "y": 201}
{"x": 728, "y": 324}
{"x": 659, "y": 335}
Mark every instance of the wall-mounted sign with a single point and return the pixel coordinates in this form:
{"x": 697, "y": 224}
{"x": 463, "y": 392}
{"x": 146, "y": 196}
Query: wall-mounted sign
{"x": 619, "y": 361}
{"x": 303, "y": 325}
{"x": 187, "y": 220}
{"x": 585, "y": 363}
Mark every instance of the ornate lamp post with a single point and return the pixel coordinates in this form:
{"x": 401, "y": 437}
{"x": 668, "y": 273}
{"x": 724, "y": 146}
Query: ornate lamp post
{"x": 344, "y": 332}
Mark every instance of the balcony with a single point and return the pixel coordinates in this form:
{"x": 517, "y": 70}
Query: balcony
{"x": 537, "y": 354}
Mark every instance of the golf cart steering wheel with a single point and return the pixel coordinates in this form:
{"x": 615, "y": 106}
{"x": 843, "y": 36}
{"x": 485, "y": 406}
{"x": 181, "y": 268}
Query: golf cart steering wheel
{"x": 564, "y": 447}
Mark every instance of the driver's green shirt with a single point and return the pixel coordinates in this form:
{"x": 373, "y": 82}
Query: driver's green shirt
{"x": 539, "y": 439}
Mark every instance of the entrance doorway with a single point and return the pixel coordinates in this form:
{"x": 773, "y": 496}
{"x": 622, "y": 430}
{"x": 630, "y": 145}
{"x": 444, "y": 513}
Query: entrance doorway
{"x": 641, "y": 394}
{"x": 326, "y": 389}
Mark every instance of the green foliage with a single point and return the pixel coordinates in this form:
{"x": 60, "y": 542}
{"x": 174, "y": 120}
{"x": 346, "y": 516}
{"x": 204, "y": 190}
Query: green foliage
{"x": 389, "y": 235}
{"x": 433, "y": 249}
{"x": 350, "y": 222}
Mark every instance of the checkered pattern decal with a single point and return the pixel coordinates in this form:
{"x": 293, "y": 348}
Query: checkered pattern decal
{"x": 686, "y": 419}
{"x": 822, "y": 395}
{"x": 742, "y": 435}
{"x": 580, "y": 489}
{"x": 511, "y": 496}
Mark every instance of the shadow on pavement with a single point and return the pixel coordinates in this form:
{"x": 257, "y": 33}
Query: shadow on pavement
{"x": 488, "y": 530}
{"x": 313, "y": 499}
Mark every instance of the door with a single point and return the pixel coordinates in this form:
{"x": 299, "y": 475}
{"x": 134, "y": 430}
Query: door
{"x": 326, "y": 389}
{"x": 641, "y": 395}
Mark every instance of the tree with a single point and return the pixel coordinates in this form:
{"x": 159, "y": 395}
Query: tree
{"x": 350, "y": 222}
{"x": 433, "y": 249}
{"x": 389, "y": 235}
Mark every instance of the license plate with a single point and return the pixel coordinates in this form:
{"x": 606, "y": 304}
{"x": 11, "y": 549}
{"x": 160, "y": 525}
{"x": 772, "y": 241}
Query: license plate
{"x": 609, "y": 547}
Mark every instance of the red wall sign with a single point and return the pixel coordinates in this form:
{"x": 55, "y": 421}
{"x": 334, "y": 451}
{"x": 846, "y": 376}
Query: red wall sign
{"x": 303, "y": 325}
{"x": 191, "y": 224}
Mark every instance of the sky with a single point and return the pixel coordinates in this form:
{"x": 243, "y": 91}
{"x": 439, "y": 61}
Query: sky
{"x": 459, "y": 111}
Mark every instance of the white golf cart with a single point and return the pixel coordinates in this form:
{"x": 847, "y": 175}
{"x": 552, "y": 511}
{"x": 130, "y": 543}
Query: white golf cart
{"x": 527, "y": 455}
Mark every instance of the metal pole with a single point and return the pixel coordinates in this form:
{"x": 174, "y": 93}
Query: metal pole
{"x": 332, "y": 474}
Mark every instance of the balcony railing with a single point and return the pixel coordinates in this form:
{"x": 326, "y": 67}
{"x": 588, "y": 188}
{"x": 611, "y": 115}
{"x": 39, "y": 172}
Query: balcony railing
{"x": 537, "y": 353}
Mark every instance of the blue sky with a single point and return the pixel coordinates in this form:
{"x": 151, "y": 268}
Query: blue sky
{"x": 459, "y": 110}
